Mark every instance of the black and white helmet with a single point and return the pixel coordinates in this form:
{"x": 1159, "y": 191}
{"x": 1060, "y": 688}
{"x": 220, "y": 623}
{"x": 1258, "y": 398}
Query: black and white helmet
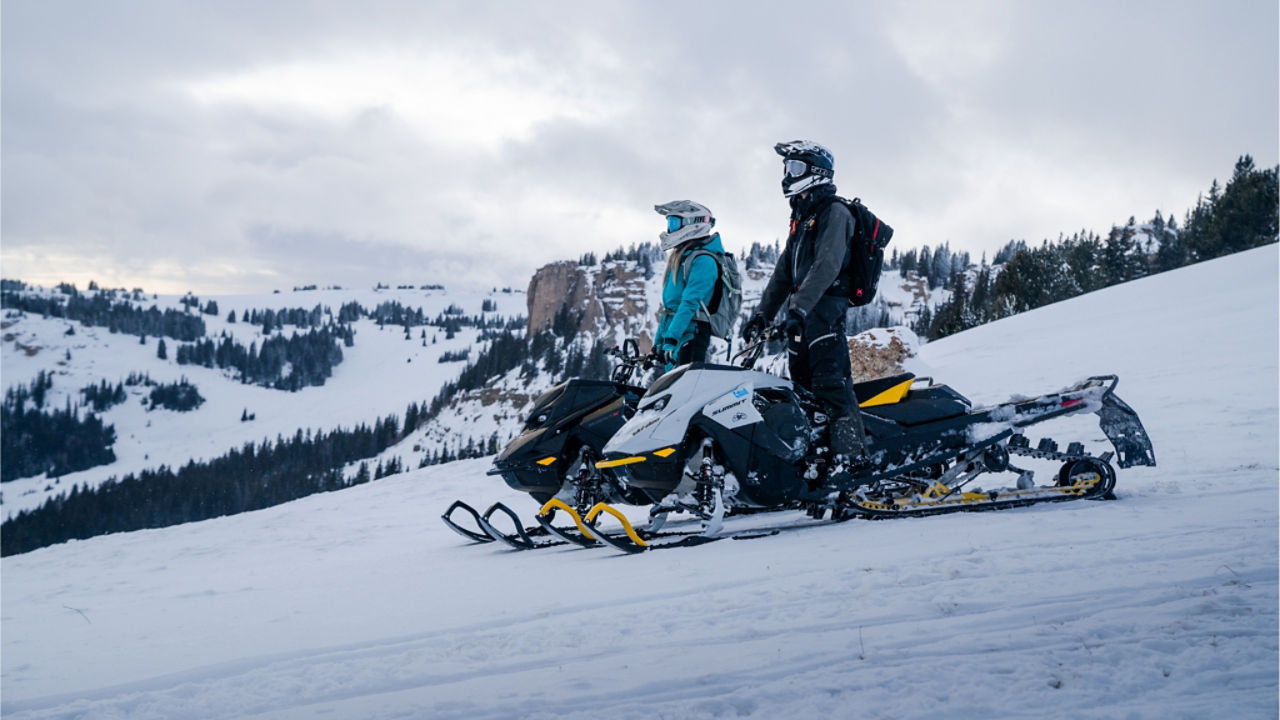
{"x": 686, "y": 220}
{"x": 805, "y": 165}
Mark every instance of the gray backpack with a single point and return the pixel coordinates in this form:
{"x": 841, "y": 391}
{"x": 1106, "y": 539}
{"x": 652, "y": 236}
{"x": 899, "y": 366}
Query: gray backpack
{"x": 726, "y": 301}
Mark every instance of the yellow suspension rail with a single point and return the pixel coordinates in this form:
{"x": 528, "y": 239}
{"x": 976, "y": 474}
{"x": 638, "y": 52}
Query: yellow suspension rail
{"x": 601, "y": 507}
{"x": 549, "y": 509}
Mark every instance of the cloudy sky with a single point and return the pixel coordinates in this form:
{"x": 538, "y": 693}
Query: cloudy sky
{"x": 227, "y": 146}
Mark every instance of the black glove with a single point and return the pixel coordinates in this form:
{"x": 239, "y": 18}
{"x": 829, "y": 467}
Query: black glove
{"x": 794, "y": 326}
{"x": 753, "y": 327}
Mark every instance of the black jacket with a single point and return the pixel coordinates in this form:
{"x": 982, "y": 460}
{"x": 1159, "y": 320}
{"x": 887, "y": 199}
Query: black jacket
{"x": 816, "y": 251}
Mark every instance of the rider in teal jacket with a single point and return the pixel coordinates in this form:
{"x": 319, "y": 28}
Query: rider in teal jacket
{"x": 687, "y": 287}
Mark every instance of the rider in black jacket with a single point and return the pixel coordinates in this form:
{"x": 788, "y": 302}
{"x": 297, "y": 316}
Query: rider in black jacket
{"x": 809, "y": 284}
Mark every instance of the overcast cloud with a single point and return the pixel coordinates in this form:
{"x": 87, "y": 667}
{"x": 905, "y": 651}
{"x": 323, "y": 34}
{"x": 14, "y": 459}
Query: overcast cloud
{"x": 228, "y": 147}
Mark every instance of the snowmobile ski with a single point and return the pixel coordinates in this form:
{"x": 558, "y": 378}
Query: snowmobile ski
{"x": 522, "y": 538}
{"x": 545, "y": 534}
{"x": 478, "y": 535}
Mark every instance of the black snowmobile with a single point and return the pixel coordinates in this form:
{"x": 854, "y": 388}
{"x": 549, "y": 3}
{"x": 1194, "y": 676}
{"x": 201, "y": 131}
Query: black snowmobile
{"x": 554, "y": 457}
{"x": 714, "y": 439}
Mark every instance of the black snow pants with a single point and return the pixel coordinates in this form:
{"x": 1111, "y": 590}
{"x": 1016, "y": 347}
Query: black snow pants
{"x": 696, "y": 349}
{"x": 819, "y": 363}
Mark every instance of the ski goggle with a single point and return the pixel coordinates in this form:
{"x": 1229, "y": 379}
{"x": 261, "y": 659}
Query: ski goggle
{"x": 797, "y": 168}
{"x": 675, "y": 222}
{"x": 794, "y": 168}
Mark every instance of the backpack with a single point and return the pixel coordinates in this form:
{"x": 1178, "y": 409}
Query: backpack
{"x": 866, "y": 252}
{"x": 726, "y": 301}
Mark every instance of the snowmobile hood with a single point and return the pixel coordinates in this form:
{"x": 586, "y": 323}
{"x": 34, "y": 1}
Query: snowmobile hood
{"x": 573, "y": 397}
{"x": 554, "y": 413}
{"x": 524, "y": 447}
{"x": 676, "y": 398}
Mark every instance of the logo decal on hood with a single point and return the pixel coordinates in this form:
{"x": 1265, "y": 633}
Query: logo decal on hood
{"x": 734, "y": 409}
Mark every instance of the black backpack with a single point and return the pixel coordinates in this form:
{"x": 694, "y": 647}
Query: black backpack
{"x": 866, "y": 252}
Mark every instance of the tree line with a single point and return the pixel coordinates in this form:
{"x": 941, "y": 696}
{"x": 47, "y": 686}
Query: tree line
{"x": 937, "y": 265}
{"x": 55, "y": 442}
{"x": 1240, "y": 216}
{"x": 248, "y": 478}
{"x": 469, "y": 450}
{"x": 310, "y": 358}
{"x": 101, "y": 310}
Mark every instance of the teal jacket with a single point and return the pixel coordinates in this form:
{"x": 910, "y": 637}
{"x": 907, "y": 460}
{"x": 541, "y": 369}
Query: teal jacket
{"x": 684, "y": 292}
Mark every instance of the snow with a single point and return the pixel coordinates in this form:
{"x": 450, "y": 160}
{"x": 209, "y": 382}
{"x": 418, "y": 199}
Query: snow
{"x": 405, "y": 372}
{"x": 361, "y": 604}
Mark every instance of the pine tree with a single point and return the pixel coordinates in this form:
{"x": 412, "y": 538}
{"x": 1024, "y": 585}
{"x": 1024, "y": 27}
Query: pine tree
{"x": 923, "y": 322}
{"x": 362, "y": 475}
{"x": 940, "y": 268}
{"x": 161, "y": 352}
{"x": 907, "y": 264}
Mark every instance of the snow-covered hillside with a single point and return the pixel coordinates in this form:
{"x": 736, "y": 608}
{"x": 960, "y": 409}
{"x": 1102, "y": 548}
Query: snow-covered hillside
{"x": 361, "y": 604}
{"x": 380, "y": 375}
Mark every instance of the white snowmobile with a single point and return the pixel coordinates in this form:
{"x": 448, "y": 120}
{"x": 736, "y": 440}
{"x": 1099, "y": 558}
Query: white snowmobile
{"x": 713, "y": 440}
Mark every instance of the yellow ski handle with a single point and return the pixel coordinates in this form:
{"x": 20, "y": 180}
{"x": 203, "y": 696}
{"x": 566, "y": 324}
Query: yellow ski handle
{"x": 600, "y": 507}
{"x": 555, "y": 504}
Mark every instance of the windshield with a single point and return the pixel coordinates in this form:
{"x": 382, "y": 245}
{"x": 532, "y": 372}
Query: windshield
{"x": 666, "y": 381}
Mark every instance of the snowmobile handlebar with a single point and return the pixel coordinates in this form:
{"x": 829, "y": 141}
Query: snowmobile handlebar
{"x": 630, "y": 359}
{"x": 754, "y": 344}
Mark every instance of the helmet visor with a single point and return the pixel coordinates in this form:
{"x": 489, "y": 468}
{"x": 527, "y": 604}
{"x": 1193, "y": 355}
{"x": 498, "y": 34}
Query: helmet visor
{"x": 794, "y": 168}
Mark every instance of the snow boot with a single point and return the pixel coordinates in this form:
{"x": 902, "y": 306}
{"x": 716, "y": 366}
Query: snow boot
{"x": 848, "y": 439}
{"x": 848, "y": 450}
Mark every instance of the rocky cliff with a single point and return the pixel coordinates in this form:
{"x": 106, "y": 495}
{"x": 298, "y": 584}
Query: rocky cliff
{"x": 606, "y": 299}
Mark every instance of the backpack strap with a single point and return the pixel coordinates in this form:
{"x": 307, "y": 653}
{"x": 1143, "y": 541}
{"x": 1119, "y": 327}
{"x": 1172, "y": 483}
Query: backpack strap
{"x": 686, "y": 267}
{"x": 711, "y": 307}
{"x": 821, "y": 205}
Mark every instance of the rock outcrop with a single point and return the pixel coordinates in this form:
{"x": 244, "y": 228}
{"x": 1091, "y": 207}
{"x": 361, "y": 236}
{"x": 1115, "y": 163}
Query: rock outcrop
{"x": 881, "y": 352}
{"x": 603, "y": 299}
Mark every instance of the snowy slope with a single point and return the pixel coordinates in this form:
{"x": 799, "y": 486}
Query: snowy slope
{"x": 380, "y": 375}
{"x": 361, "y": 604}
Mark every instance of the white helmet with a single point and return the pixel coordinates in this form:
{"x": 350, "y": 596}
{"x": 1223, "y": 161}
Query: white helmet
{"x": 686, "y": 220}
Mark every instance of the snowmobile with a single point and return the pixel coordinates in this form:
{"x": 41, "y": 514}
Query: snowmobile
{"x": 553, "y": 459}
{"x": 711, "y": 440}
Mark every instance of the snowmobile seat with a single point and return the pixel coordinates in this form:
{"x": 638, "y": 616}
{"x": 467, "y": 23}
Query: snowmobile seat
{"x": 924, "y": 405}
{"x": 883, "y": 391}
